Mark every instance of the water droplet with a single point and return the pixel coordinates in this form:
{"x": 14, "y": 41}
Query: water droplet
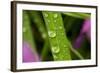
{"x": 62, "y": 33}
{"x": 48, "y": 21}
{"x": 44, "y": 35}
{"x": 60, "y": 27}
{"x": 55, "y": 57}
{"x": 46, "y": 15}
{"x": 24, "y": 29}
{"x": 52, "y": 34}
{"x": 55, "y": 49}
{"x": 55, "y": 15}
{"x": 55, "y": 21}
{"x": 65, "y": 46}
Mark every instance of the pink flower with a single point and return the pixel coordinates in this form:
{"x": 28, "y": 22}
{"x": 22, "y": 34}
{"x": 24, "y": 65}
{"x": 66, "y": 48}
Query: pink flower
{"x": 29, "y": 55}
{"x": 85, "y": 32}
{"x": 87, "y": 28}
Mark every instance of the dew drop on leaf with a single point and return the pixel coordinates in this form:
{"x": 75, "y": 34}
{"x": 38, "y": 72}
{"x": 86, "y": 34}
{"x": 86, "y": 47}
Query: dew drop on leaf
{"x": 55, "y": 49}
{"x": 48, "y": 21}
{"x": 55, "y": 15}
{"x": 55, "y": 21}
{"x": 46, "y": 15}
{"x": 44, "y": 35}
{"x": 52, "y": 34}
{"x": 60, "y": 27}
{"x": 55, "y": 57}
{"x": 62, "y": 33}
{"x": 24, "y": 29}
{"x": 65, "y": 46}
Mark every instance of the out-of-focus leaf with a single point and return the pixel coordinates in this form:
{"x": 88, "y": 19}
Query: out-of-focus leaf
{"x": 27, "y": 32}
{"x": 77, "y": 15}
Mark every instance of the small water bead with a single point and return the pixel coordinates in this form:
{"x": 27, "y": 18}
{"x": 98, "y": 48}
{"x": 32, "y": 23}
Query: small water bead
{"x": 46, "y": 15}
{"x": 52, "y": 34}
{"x": 65, "y": 46}
{"x": 55, "y": 49}
{"x": 60, "y": 27}
{"x": 48, "y": 21}
{"x": 55, "y": 21}
{"x": 55, "y": 15}
{"x": 44, "y": 35}
{"x": 62, "y": 33}
{"x": 24, "y": 29}
{"x": 55, "y": 57}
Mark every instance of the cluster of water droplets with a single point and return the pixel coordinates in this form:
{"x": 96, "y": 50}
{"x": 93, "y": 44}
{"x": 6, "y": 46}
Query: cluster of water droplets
{"x": 52, "y": 34}
{"x": 55, "y": 17}
{"x": 43, "y": 33}
{"x": 55, "y": 50}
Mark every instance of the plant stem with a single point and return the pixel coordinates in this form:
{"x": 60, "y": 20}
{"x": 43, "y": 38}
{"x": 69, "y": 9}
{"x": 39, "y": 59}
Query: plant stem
{"x": 57, "y": 38}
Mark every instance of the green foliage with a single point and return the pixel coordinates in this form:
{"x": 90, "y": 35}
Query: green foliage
{"x": 27, "y": 31}
{"x": 38, "y": 21}
{"x": 77, "y": 15}
{"x": 57, "y": 38}
{"x": 57, "y": 31}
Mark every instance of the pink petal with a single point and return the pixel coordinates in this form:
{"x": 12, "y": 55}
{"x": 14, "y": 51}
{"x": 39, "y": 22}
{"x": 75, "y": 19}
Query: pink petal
{"x": 29, "y": 55}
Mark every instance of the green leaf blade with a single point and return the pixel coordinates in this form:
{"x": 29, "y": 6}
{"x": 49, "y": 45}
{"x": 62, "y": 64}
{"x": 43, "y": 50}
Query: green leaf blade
{"x": 59, "y": 47}
{"x": 27, "y": 32}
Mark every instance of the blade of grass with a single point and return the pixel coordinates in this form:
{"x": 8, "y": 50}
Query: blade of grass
{"x": 57, "y": 38}
{"x": 27, "y": 32}
{"x": 68, "y": 25}
{"x": 37, "y": 19}
{"x": 77, "y": 53}
{"x": 45, "y": 50}
{"x": 77, "y": 14}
